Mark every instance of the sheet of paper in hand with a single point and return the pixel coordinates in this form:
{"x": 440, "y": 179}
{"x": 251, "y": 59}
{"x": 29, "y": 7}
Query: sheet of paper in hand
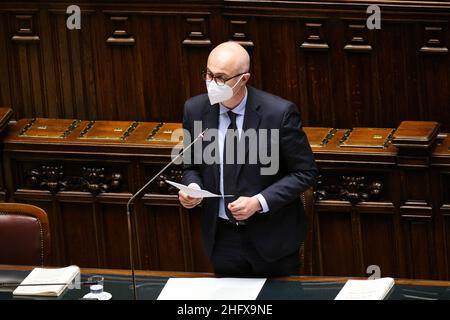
{"x": 196, "y": 193}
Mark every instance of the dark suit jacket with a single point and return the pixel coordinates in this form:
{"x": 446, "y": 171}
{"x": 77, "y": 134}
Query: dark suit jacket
{"x": 280, "y": 231}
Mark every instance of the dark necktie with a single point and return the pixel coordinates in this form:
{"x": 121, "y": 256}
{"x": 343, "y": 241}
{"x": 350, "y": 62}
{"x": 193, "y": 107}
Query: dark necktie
{"x": 229, "y": 167}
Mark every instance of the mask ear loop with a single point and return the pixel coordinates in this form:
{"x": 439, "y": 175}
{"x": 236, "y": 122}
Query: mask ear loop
{"x": 238, "y": 81}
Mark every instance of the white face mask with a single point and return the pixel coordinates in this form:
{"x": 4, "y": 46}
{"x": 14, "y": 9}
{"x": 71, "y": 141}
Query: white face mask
{"x": 217, "y": 94}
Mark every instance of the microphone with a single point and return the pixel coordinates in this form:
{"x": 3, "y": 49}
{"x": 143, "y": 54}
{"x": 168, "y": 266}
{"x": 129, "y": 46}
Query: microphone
{"x": 130, "y": 240}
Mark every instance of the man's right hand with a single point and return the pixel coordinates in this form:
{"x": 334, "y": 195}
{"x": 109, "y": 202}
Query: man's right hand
{"x": 187, "y": 201}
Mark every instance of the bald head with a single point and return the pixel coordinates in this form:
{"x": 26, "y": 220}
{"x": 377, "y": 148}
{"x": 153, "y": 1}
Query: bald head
{"x": 230, "y": 62}
{"x": 229, "y": 58}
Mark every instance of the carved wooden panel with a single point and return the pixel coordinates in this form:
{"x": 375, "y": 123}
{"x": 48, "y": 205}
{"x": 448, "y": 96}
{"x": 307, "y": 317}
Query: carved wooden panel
{"x": 416, "y": 198}
{"x": 434, "y": 61}
{"x": 168, "y": 228}
{"x": 436, "y": 40}
{"x": 357, "y": 38}
{"x": 271, "y": 70}
{"x": 113, "y": 240}
{"x": 198, "y": 31}
{"x": 444, "y": 188}
{"x": 172, "y": 175}
{"x": 419, "y": 248}
{"x": 90, "y": 179}
{"x": 446, "y": 242}
{"x": 351, "y": 188}
{"x": 70, "y": 67}
{"x": 199, "y": 259}
{"x": 314, "y": 65}
{"x": 25, "y": 29}
{"x": 314, "y": 32}
{"x": 83, "y": 247}
{"x": 239, "y": 31}
{"x": 384, "y": 250}
{"x": 335, "y": 230}
{"x": 120, "y": 31}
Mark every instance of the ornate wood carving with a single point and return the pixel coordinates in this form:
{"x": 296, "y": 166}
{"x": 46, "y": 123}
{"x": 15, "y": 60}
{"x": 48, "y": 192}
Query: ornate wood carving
{"x": 47, "y": 177}
{"x": 172, "y": 175}
{"x": 354, "y": 189}
{"x": 93, "y": 180}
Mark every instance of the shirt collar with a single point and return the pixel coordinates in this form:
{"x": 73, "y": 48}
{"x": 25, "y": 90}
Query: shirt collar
{"x": 240, "y": 109}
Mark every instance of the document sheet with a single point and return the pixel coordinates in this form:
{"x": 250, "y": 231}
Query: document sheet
{"x": 212, "y": 289}
{"x": 196, "y": 193}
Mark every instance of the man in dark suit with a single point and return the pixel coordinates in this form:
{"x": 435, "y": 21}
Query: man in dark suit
{"x": 257, "y": 232}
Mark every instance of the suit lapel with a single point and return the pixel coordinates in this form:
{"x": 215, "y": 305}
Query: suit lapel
{"x": 252, "y": 119}
{"x": 210, "y": 117}
{"x": 211, "y": 121}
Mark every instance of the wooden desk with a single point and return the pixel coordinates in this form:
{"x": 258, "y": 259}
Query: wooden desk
{"x": 382, "y": 197}
{"x": 150, "y": 284}
{"x": 5, "y": 115}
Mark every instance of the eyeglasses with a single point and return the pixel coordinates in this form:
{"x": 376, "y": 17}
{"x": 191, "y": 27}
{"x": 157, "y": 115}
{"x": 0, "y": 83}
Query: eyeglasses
{"x": 220, "y": 80}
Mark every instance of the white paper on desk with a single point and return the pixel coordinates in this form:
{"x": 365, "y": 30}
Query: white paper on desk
{"x": 211, "y": 289}
{"x": 196, "y": 193}
{"x": 376, "y": 289}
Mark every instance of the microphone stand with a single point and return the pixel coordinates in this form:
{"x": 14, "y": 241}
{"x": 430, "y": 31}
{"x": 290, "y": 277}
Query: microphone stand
{"x": 130, "y": 240}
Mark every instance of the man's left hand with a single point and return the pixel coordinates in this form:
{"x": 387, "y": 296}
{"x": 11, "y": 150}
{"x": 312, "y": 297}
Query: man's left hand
{"x": 244, "y": 207}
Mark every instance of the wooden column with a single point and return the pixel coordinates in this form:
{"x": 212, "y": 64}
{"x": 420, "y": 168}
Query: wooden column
{"x": 5, "y": 115}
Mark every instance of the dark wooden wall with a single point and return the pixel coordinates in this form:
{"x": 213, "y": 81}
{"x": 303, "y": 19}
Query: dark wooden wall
{"x": 317, "y": 54}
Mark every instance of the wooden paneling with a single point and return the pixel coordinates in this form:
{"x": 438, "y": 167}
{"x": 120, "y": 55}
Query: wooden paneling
{"x": 419, "y": 248}
{"x": 142, "y": 61}
{"x": 415, "y": 193}
{"x": 113, "y": 234}
{"x": 379, "y": 242}
{"x": 5, "y": 64}
{"x": 82, "y": 247}
{"x": 336, "y": 231}
{"x": 199, "y": 260}
{"x": 169, "y": 237}
{"x": 444, "y": 180}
